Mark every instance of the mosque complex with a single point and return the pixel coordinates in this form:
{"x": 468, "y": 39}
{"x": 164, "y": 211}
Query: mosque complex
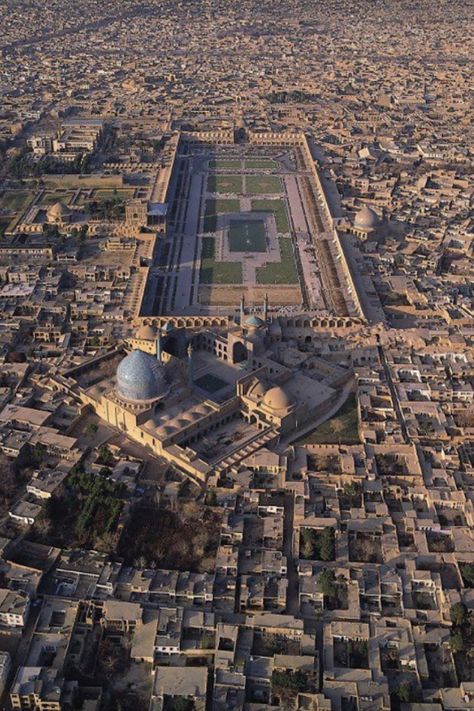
{"x": 210, "y": 400}
{"x": 213, "y": 387}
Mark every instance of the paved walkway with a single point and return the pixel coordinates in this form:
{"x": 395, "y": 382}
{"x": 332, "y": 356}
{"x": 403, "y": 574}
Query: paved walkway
{"x": 184, "y": 279}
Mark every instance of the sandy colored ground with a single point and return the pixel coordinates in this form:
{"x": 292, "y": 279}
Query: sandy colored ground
{"x": 230, "y": 295}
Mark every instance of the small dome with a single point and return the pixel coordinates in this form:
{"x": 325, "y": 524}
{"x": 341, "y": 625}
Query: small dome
{"x": 366, "y": 219}
{"x": 59, "y": 212}
{"x": 258, "y": 389}
{"x": 277, "y": 399}
{"x": 140, "y": 377}
{"x": 254, "y": 322}
{"x": 146, "y": 333}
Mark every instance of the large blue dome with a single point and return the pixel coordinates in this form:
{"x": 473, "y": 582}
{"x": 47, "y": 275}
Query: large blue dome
{"x": 140, "y": 376}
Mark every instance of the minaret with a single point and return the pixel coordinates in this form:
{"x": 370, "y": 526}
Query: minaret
{"x": 158, "y": 347}
{"x": 242, "y": 310}
{"x": 190, "y": 364}
{"x": 265, "y": 308}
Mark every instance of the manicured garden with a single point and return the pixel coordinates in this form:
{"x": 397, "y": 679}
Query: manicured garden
{"x": 225, "y": 184}
{"x": 278, "y": 208}
{"x": 218, "y": 206}
{"x": 263, "y": 185}
{"x": 283, "y": 272}
{"x": 213, "y": 272}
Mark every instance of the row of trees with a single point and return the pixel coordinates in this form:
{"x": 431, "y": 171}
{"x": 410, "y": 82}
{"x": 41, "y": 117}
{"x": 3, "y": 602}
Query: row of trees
{"x": 462, "y": 636}
{"x": 23, "y": 166}
{"x": 318, "y": 545}
{"x": 84, "y": 512}
{"x": 109, "y": 209}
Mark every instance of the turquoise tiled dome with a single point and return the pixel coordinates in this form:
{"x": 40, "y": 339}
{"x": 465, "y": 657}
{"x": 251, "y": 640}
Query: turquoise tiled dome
{"x": 254, "y": 322}
{"x": 140, "y": 376}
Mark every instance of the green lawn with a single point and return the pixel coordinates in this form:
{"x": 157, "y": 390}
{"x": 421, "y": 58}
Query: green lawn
{"x": 264, "y": 163}
{"x": 51, "y": 198}
{"x": 108, "y": 193}
{"x": 225, "y": 163}
{"x": 342, "y": 428}
{"x": 213, "y": 272}
{"x": 278, "y": 207}
{"x": 283, "y": 272}
{"x": 247, "y": 236}
{"x": 87, "y": 182}
{"x": 219, "y": 206}
{"x": 225, "y": 184}
{"x": 263, "y": 185}
{"x": 14, "y": 200}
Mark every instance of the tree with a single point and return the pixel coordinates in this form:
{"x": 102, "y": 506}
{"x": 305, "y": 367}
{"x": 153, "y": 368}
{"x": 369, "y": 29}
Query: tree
{"x": 327, "y": 546}
{"x": 90, "y": 429}
{"x": 211, "y": 498}
{"x": 327, "y": 583}
{"x": 113, "y": 658}
{"x": 39, "y": 451}
{"x": 456, "y": 643}
{"x": 105, "y": 455}
{"x": 404, "y": 693}
{"x": 467, "y": 573}
{"x": 294, "y": 681}
{"x": 458, "y": 614}
{"x": 308, "y": 542}
{"x": 351, "y": 489}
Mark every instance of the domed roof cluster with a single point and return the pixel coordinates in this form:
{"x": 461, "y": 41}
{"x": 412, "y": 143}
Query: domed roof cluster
{"x": 59, "y": 212}
{"x": 140, "y": 377}
{"x": 366, "y": 219}
{"x": 277, "y": 399}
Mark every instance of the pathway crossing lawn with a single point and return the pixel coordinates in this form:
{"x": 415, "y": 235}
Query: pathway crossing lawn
{"x": 225, "y": 184}
{"x": 219, "y": 206}
{"x": 283, "y": 272}
{"x": 225, "y": 163}
{"x": 213, "y": 272}
{"x": 247, "y": 236}
{"x": 14, "y": 200}
{"x": 264, "y": 163}
{"x": 263, "y": 185}
{"x": 278, "y": 208}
